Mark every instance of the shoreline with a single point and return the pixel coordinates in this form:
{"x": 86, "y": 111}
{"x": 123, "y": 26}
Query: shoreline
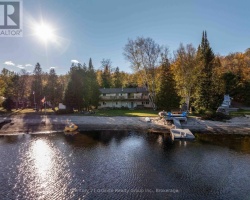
{"x": 32, "y": 124}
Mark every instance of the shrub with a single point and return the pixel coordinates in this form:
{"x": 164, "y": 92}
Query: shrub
{"x": 215, "y": 116}
{"x": 64, "y": 111}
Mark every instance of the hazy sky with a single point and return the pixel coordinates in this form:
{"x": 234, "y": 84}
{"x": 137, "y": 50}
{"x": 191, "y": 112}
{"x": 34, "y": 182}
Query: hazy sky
{"x": 100, "y": 29}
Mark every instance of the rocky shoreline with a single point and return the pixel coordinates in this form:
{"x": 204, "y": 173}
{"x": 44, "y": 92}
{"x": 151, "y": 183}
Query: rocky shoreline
{"x": 31, "y": 124}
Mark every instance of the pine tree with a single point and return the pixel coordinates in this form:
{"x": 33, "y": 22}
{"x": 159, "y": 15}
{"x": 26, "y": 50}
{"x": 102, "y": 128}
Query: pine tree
{"x": 92, "y": 96}
{"x": 52, "y": 90}
{"x": 117, "y": 82}
{"x": 167, "y": 97}
{"x": 74, "y": 93}
{"x": 37, "y": 87}
{"x": 204, "y": 81}
{"x": 82, "y": 91}
{"x": 91, "y": 67}
{"x": 106, "y": 74}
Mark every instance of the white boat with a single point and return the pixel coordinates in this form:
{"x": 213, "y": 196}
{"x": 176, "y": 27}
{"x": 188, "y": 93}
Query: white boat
{"x": 182, "y": 133}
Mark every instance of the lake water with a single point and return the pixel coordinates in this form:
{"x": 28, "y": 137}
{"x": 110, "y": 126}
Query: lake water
{"x": 118, "y": 165}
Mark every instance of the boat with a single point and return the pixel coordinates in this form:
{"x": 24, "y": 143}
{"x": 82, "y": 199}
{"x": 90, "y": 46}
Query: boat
{"x": 182, "y": 133}
{"x": 71, "y": 129}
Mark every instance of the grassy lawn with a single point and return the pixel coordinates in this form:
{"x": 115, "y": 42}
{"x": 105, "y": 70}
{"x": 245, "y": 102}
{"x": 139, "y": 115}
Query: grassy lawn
{"x": 25, "y": 111}
{"x": 104, "y": 113}
{"x": 127, "y": 113}
{"x": 112, "y": 113}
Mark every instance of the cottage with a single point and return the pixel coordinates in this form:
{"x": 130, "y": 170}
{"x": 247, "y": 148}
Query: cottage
{"x": 124, "y": 98}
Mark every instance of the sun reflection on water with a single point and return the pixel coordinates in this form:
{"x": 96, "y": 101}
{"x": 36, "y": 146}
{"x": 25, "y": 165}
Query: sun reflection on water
{"x": 42, "y": 154}
{"x": 44, "y": 171}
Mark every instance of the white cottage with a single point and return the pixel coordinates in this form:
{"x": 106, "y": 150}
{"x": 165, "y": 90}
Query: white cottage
{"x": 124, "y": 98}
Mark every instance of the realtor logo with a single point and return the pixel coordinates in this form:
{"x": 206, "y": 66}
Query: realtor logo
{"x": 10, "y": 19}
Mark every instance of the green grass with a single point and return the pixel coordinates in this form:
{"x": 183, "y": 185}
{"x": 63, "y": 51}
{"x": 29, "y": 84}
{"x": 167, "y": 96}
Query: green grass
{"x": 239, "y": 113}
{"x": 112, "y": 113}
{"x": 25, "y": 111}
{"x": 127, "y": 113}
{"x": 104, "y": 113}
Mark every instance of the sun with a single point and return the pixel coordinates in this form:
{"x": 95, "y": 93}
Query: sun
{"x": 45, "y": 32}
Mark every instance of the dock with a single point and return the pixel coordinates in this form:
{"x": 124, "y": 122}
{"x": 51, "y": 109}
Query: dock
{"x": 178, "y": 132}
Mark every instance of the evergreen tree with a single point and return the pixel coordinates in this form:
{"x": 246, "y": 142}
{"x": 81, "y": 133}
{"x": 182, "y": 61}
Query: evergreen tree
{"x": 82, "y": 90}
{"x": 106, "y": 74}
{"x": 91, "y": 97}
{"x": 167, "y": 97}
{"x": 53, "y": 90}
{"x": 204, "y": 84}
{"x": 73, "y": 97}
{"x": 117, "y": 81}
{"x": 37, "y": 87}
{"x": 91, "y": 67}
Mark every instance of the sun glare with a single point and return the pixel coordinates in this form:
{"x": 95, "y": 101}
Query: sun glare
{"x": 44, "y": 32}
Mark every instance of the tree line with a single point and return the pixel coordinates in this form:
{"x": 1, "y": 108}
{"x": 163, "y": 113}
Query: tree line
{"x": 195, "y": 76}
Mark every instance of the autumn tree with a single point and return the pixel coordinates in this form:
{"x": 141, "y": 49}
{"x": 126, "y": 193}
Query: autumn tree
{"x": 185, "y": 71}
{"x": 144, "y": 56}
{"x": 24, "y": 85}
{"x": 7, "y": 82}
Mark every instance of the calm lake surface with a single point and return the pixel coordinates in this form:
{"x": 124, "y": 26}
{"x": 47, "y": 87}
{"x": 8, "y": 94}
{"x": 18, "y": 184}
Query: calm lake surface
{"x": 122, "y": 165}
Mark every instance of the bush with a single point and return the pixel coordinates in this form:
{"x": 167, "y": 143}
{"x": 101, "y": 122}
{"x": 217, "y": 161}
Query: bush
{"x": 64, "y": 111}
{"x": 7, "y": 104}
{"x": 215, "y": 116}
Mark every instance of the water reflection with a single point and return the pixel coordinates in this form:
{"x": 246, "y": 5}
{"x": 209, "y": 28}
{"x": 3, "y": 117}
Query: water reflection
{"x": 239, "y": 143}
{"x": 42, "y": 171}
{"x": 42, "y": 155}
{"x": 84, "y": 167}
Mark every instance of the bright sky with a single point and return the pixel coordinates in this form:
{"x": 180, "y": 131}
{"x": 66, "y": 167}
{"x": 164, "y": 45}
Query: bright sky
{"x": 100, "y": 29}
